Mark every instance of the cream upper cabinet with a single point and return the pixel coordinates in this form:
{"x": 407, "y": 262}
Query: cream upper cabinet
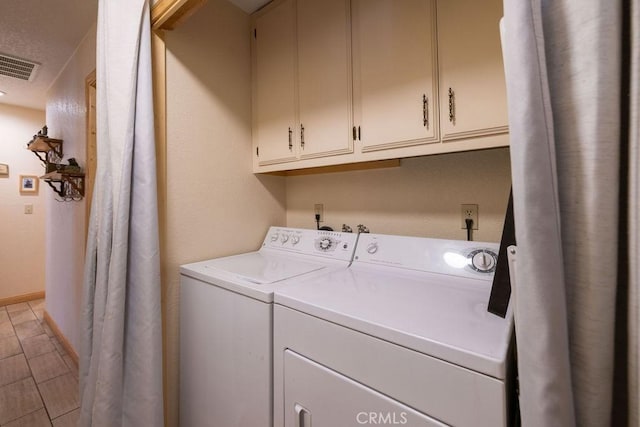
{"x": 274, "y": 101}
{"x": 473, "y": 100}
{"x": 302, "y": 107}
{"x": 340, "y": 81}
{"x": 324, "y": 77}
{"x": 395, "y": 88}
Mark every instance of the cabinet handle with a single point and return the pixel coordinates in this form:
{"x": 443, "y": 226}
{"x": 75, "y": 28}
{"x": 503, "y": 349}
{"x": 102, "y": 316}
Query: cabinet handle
{"x": 452, "y": 106}
{"x": 425, "y": 111}
{"x": 301, "y": 135}
{"x": 354, "y": 133}
{"x": 290, "y": 139}
{"x": 301, "y": 416}
{"x": 359, "y": 133}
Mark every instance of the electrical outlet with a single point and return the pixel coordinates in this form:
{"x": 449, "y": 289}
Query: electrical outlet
{"x": 319, "y": 210}
{"x": 471, "y": 212}
{"x": 28, "y": 209}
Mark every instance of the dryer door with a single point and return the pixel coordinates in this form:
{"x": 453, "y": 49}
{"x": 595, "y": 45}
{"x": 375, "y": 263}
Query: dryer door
{"x": 319, "y": 397}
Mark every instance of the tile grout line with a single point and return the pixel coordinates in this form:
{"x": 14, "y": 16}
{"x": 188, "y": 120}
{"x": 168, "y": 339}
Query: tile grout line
{"x": 62, "y": 415}
{"x": 26, "y": 415}
{"x": 15, "y": 334}
{"x": 31, "y": 370}
{"x": 69, "y": 370}
{"x": 55, "y": 349}
{"x": 28, "y": 367}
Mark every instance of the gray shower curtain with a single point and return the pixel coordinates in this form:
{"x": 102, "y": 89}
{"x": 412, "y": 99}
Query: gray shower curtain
{"x": 121, "y": 343}
{"x": 572, "y": 84}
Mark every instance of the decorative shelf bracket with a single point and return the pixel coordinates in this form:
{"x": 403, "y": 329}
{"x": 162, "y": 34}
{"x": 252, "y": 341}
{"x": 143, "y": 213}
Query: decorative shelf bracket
{"x": 58, "y": 191}
{"x": 50, "y": 146}
{"x": 42, "y": 159}
{"x": 48, "y": 150}
{"x": 68, "y": 185}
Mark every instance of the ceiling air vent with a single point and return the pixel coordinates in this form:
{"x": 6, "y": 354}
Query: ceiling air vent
{"x": 17, "y": 68}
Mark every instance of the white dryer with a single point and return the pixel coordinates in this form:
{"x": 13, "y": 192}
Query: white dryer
{"x": 402, "y": 337}
{"x": 226, "y": 321}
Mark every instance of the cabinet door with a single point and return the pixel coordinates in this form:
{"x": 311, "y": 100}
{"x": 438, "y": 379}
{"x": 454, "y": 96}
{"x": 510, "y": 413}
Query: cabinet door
{"x": 274, "y": 83}
{"x": 473, "y": 96}
{"x": 394, "y": 69}
{"x": 324, "y": 78}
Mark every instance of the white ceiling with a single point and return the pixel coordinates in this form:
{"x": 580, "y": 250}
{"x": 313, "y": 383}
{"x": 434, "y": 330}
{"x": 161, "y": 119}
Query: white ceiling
{"x": 48, "y": 32}
{"x": 42, "y": 31}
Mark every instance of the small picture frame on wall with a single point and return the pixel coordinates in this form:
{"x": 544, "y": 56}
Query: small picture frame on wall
{"x": 4, "y": 169}
{"x": 28, "y": 184}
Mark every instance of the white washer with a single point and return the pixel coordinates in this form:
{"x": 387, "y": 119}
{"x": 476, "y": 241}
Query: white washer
{"x": 402, "y": 337}
{"x": 226, "y": 321}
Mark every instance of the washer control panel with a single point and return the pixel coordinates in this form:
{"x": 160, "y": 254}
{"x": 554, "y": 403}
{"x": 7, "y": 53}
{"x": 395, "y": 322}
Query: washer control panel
{"x": 453, "y": 257}
{"x": 331, "y": 244}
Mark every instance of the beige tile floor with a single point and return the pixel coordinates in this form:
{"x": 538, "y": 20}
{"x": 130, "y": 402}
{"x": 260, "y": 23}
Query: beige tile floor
{"x": 38, "y": 379}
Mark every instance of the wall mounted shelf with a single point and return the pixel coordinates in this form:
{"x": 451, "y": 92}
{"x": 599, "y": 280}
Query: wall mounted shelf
{"x": 68, "y": 185}
{"x": 51, "y": 147}
{"x": 67, "y": 181}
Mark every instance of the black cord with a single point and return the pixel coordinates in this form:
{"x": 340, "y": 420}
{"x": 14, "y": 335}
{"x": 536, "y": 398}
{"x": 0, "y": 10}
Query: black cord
{"x": 317, "y": 221}
{"x": 469, "y": 223}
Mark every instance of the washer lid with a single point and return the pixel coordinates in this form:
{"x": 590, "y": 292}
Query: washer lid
{"x": 436, "y": 314}
{"x": 262, "y": 268}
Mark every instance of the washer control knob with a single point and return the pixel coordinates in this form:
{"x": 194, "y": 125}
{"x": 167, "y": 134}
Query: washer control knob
{"x": 284, "y": 238}
{"x": 325, "y": 243}
{"x": 483, "y": 261}
{"x": 274, "y": 237}
{"x": 372, "y": 248}
{"x": 295, "y": 239}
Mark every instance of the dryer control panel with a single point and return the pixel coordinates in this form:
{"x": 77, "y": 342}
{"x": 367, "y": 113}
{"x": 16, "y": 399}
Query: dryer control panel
{"x": 453, "y": 257}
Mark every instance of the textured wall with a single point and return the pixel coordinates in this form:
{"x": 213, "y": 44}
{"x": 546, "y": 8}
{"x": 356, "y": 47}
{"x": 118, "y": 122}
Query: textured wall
{"x": 422, "y": 197}
{"x": 22, "y": 237}
{"x": 66, "y": 118}
{"x": 215, "y": 205}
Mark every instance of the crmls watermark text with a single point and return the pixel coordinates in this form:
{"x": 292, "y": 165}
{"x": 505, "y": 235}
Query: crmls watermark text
{"x": 382, "y": 418}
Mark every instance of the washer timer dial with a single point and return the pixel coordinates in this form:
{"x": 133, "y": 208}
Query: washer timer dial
{"x": 483, "y": 260}
{"x": 326, "y": 244}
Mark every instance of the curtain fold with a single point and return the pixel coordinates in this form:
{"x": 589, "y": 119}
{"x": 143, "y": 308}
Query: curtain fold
{"x": 121, "y": 343}
{"x": 634, "y": 217}
{"x": 546, "y": 381}
{"x": 563, "y": 62}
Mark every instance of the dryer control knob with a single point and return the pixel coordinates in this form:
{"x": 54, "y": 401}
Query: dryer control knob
{"x": 372, "y": 248}
{"x": 483, "y": 261}
{"x": 284, "y": 238}
{"x": 274, "y": 237}
{"x": 295, "y": 239}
